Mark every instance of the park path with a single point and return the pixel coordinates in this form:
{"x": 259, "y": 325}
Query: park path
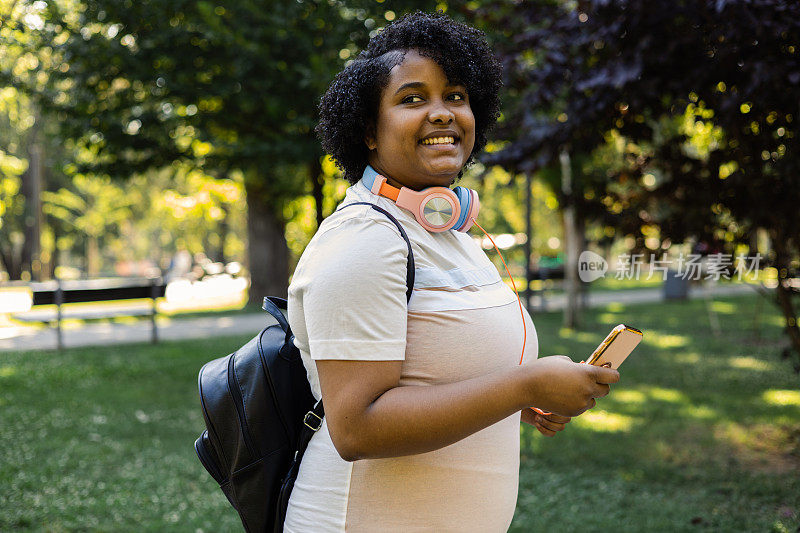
{"x": 17, "y": 338}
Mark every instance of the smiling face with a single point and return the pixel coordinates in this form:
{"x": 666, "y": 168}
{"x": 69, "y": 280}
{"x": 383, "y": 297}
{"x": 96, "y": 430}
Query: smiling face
{"x": 425, "y": 129}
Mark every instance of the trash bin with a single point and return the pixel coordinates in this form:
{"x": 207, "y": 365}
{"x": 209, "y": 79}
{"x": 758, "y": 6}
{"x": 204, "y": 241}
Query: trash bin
{"x": 676, "y": 286}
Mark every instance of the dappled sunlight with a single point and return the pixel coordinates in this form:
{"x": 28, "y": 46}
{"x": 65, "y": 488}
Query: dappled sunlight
{"x": 755, "y": 446}
{"x": 763, "y": 447}
{"x": 774, "y": 320}
{"x": 689, "y": 358}
{"x": 663, "y": 340}
{"x": 701, "y": 412}
{"x": 7, "y": 371}
{"x": 690, "y": 444}
{"x": 751, "y": 363}
{"x": 666, "y": 395}
{"x": 726, "y": 308}
{"x": 615, "y": 307}
{"x": 604, "y": 421}
{"x": 608, "y": 317}
{"x": 782, "y": 397}
{"x": 645, "y": 399}
{"x": 645, "y": 394}
{"x": 628, "y": 396}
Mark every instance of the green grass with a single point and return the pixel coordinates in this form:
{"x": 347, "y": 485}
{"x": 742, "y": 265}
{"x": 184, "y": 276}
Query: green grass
{"x": 101, "y": 439}
{"x": 233, "y": 310}
{"x": 607, "y": 283}
{"x": 701, "y": 434}
{"x": 610, "y": 283}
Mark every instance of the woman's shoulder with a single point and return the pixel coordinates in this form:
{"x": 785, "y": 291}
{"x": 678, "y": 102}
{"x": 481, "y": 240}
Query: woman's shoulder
{"x": 357, "y": 209}
{"x": 353, "y": 222}
{"x": 353, "y": 239}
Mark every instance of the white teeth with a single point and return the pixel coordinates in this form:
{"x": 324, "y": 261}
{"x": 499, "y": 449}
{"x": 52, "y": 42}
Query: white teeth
{"x": 439, "y": 140}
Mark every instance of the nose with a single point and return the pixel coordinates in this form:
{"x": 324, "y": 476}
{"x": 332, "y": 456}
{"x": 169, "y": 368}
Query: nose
{"x": 440, "y": 113}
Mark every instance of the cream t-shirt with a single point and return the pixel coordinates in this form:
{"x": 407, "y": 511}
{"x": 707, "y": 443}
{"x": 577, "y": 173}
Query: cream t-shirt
{"x": 347, "y": 300}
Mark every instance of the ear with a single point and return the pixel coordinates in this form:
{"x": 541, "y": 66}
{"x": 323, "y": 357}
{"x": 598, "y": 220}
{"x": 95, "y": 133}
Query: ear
{"x": 369, "y": 138}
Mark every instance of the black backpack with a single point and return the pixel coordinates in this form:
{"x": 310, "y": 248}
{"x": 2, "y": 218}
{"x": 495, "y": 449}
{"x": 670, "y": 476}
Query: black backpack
{"x": 260, "y": 415}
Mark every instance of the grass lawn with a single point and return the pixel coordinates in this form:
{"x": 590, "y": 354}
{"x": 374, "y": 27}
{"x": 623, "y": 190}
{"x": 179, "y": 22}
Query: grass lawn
{"x": 701, "y": 434}
{"x": 607, "y": 283}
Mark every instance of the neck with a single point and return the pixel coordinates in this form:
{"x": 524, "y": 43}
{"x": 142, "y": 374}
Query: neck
{"x": 389, "y": 179}
{"x": 395, "y": 183}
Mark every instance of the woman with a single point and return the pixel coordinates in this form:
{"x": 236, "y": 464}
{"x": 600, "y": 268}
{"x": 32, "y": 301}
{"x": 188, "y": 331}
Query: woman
{"x": 423, "y": 400}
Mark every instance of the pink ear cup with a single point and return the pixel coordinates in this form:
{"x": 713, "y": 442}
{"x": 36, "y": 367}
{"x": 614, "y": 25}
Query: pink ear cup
{"x": 439, "y": 210}
{"x": 476, "y": 208}
{"x": 435, "y": 208}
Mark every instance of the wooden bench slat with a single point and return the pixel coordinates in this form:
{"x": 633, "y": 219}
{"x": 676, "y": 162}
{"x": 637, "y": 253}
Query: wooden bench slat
{"x": 99, "y": 295}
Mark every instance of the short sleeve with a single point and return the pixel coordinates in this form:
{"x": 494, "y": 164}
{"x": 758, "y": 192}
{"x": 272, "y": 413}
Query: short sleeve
{"x": 347, "y": 299}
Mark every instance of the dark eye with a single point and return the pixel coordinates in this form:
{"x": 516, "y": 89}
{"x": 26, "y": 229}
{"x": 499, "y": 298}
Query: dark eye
{"x": 410, "y": 99}
{"x": 458, "y": 96}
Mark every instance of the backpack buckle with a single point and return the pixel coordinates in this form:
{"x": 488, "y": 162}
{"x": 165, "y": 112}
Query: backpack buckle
{"x": 308, "y": 421}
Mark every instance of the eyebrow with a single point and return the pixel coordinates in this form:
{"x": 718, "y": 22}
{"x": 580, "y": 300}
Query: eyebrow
{"x": 418, "y": 84}
{"x": 411, "y": 85}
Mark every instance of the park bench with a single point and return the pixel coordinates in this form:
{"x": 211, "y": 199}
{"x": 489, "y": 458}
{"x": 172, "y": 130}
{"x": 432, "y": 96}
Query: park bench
{"x": 59, "y": 293}
{"x": 542, "y": 274}
{"x": 545, "y": 273}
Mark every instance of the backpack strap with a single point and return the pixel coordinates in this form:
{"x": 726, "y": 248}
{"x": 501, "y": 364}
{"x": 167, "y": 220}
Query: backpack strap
{"x": 311, "y": 424}
{"x": 410, "y": 265}
{"x": 273, "y": 306}
{"x": 313, "y": 419}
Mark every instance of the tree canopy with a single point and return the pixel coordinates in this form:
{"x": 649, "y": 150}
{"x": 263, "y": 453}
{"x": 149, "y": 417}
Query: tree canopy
{"x": 224, "y": 86}
{"x": 724, "y": 73}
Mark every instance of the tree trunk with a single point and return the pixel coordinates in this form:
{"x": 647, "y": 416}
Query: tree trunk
{"x": 528, "y": 237}
{"x": 571, "y": 246}
{"x": 92, "y": 257}
{"x": 55, "y": 257}
{"x": 31, "y": 190}
{"x": 783, "y": 294}
{"x": 268, "y": 253}
{"x": 581, "y": 245}
{"x": 210, "y": 251}
{"x": 224, "y": 229}
{"x": 317, "y": 181}
{"x": 9, "y": 259}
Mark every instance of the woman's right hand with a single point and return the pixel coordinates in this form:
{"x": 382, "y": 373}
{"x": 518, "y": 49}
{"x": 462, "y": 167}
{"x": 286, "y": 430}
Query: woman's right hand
{"x": 559, "y": 385}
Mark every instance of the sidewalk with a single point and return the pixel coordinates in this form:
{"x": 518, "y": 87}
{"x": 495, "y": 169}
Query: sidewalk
{"x": 29, "y": 338}
{"x": 17, "y": 338}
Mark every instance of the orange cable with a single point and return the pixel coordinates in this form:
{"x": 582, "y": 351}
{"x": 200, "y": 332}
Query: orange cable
{"x": 521, "y": 314}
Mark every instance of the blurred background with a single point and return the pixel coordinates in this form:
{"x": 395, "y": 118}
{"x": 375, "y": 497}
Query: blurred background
{"x": 644, "y": 169}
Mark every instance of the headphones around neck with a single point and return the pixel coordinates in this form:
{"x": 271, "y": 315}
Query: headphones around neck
{"x": 435, "y": 208}
{"x": 439, "y": 209}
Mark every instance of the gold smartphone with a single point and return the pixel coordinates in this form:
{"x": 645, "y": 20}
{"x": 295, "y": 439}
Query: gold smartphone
{"x": 616, "y": 347}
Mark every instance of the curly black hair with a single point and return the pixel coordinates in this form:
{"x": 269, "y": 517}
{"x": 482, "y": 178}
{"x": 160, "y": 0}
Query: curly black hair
{"x": 348, "y": 109}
